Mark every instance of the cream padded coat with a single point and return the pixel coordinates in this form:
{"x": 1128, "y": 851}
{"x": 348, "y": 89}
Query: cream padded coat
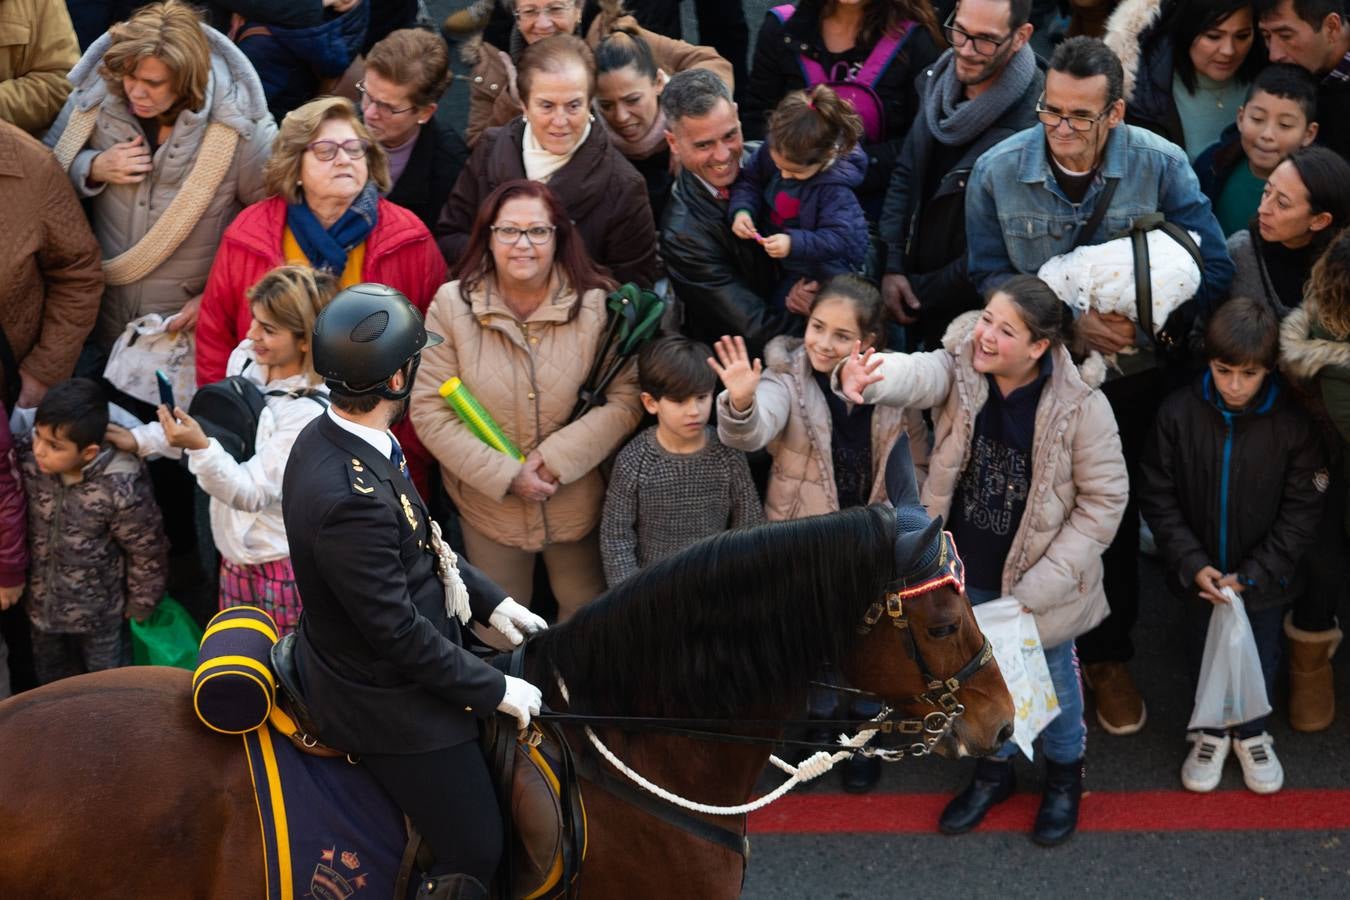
{"x": 1079, "y": 484}
{"x": 526, "y": 375}
{"x": 791, "y": 418}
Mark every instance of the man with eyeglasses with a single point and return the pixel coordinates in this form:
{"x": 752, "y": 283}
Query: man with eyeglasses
{"x": 980, "y": 91}
{"x": 1028, "y": 200}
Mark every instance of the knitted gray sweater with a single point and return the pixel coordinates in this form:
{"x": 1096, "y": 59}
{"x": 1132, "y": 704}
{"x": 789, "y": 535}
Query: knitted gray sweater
{"x": 660, "y": 502}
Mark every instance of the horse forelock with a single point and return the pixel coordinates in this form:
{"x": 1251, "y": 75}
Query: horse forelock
{"x": 735, "y": 623}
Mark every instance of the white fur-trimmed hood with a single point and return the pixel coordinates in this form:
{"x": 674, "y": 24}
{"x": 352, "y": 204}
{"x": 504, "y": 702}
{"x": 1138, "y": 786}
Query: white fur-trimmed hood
{"x": 1301, "y": 354}
{"x": 1129, "y": 22}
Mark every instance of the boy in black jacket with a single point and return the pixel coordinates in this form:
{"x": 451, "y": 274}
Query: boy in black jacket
{"x": 1232, "y": 484}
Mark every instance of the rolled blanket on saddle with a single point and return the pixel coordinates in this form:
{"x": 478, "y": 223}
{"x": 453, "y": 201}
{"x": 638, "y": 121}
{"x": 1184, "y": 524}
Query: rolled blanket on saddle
{"x": 1101, "y": 277}
{"x": 233, "y": 689}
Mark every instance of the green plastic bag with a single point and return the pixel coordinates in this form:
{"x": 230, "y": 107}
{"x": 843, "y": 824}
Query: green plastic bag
{"x": 168, "y": 637}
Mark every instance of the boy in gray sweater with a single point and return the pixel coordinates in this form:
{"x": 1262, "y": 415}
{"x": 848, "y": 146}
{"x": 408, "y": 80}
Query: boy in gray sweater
{"x": 674, "y": 483}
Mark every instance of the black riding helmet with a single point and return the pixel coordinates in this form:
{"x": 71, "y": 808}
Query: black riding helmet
{"x": 365, "y": 334}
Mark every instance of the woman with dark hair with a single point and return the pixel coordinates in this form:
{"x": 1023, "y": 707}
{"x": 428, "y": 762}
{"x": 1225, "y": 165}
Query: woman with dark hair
{"x": 494, "y": 96}
{"x": 1027, "y": 471}
{"x": 1305, "y": 202}
{"x": 1186, "y": 61}
{"x": 523, "y": 318}
{"x": 882, "y": 45}
{"x": 558, "y": 143}
{"x": 628, "y": 85}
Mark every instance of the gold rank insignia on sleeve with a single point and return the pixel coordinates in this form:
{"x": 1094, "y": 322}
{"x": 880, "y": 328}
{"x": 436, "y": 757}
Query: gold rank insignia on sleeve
{"x": 408, "y": 510}
{"x": 356, "y": 472}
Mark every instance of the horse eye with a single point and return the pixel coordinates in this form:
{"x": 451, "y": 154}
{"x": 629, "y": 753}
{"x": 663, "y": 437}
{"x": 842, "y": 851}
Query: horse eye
{"x": 941, "y": 631}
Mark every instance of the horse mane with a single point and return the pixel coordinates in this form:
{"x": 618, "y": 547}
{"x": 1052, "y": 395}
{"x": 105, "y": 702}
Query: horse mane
{"x": 737, "y": 622}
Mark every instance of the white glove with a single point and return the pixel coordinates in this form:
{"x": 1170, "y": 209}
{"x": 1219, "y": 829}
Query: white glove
{"x": 521, "y": 700}
{"x": 510, "y": 618}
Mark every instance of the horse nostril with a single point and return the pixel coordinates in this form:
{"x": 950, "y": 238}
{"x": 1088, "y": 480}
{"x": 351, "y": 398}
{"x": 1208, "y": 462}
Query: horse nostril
{"x": 1005, "y": 734}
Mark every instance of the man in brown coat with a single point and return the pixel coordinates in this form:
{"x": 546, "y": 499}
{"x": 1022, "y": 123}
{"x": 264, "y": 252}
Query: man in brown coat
{"x": 51, "y": 275}
{"x": 37, "y": 49}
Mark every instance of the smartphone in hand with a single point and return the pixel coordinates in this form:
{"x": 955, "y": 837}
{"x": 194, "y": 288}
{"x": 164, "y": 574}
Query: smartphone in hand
{"x": 165, "y": 390}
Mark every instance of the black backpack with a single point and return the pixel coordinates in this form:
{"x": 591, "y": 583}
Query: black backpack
{"x": 228, "y": 410}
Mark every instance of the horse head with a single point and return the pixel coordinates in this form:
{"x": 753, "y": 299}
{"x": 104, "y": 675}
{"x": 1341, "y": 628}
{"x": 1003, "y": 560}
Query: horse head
{"x": 944, "y": 672}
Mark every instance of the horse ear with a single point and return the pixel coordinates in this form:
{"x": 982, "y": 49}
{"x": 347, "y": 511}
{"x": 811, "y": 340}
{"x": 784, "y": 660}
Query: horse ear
{"x": 916, "y": 550}
{"x": 901, "y": 488}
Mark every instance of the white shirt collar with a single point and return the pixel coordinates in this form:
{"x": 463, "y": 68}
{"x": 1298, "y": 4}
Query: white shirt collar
{"x": 382, "y": 441}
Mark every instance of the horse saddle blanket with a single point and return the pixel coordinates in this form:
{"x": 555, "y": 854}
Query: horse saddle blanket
{"x": 331, "y": 832}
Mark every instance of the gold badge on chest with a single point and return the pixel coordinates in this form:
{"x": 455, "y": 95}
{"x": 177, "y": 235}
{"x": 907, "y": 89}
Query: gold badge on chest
{"x": 408, "y": 510}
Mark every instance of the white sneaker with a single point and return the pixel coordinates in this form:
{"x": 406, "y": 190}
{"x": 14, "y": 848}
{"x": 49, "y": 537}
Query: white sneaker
{"x": 1261, "y": 769}
{"x": 1204, "y": 764}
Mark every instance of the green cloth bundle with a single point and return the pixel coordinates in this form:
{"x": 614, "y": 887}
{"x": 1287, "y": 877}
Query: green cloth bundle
{"x": 476, "y": 418}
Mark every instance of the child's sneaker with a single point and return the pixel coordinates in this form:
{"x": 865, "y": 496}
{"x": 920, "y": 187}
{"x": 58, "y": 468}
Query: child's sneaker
{"x": 1261, "y": 769}
{"x": 1204, "y": 764}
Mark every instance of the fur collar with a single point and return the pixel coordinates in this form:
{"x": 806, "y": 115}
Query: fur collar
{"x": 1303, "y": 354}
{"x": 1125, "y": 31}
{"x": 1090, "y": 373}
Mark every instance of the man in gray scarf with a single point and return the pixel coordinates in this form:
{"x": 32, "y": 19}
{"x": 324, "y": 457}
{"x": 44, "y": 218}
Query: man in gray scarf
{"x": 977, "y": 93}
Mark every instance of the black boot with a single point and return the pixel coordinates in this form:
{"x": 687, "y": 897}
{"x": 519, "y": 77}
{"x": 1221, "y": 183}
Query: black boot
{"x": 861, "y": 773}
{"x": 993, "y": 783}
{"x": 1057, "y": 818}
{"x": 451, "y": 887}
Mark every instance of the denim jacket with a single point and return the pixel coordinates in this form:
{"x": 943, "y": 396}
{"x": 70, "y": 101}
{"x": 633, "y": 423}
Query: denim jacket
{"x": 1013, "y": 225}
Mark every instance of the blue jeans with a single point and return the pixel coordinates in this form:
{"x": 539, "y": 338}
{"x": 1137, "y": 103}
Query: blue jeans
{"x": 1064, "y": 740}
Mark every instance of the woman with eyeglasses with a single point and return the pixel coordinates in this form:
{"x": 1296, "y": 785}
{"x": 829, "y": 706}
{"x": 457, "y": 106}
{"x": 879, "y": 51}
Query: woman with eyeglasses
{"x": 880, "y": 45}
{"x": 1187, "y": 65}
{"x": 494, "y": 96}
{"x": 559, "y": 142}
{"x": 523, "y": 317}
{"x": 406, "y": 74}
{"x": 323, "y": 210}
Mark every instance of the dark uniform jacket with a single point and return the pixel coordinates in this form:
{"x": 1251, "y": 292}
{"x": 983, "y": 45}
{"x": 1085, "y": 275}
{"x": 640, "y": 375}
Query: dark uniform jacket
{"x": 721, "y": 280}
{"x": 381, "y": 662}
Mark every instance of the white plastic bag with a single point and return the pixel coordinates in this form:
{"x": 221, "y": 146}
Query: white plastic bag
{"x": 145, "y": 346}
{"x": 1232, "y": 689}
{"x": 1012, "y": 633}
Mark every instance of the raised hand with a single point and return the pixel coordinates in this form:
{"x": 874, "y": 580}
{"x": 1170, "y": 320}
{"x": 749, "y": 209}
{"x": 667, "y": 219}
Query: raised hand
{"x": 738, "y": 375}
{"x": 859, "y": 371}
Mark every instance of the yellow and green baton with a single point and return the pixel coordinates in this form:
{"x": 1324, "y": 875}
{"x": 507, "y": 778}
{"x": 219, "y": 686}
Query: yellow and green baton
{"x": 476, "y": 418}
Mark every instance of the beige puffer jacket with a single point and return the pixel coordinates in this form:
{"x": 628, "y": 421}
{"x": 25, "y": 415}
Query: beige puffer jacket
{"x": 1079, "y": 483}
{"x": 526, "y": 375}
{"x": 123, "y": 213}
{"x": 791, "y": 418}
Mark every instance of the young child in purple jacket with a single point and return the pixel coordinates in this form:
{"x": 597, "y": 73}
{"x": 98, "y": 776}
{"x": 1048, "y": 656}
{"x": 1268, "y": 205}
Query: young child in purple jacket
{"x": 795, "y": 196}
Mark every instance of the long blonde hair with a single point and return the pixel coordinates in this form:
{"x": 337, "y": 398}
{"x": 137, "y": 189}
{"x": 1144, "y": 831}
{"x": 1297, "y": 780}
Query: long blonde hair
{"x": 1329, "y": 286}
{"x": 170, "y": 32}
{"x": 291, "y": 297}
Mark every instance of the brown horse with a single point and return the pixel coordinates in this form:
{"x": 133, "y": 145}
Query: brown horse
{"x": 110, "y": 788}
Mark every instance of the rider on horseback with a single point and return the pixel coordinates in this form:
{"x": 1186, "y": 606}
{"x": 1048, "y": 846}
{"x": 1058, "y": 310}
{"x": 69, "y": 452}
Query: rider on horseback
{"x": 379, "y": 647}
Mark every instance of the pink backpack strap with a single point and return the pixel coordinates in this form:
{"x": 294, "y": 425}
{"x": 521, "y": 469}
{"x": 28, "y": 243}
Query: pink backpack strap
{"x": 879, "y": 60}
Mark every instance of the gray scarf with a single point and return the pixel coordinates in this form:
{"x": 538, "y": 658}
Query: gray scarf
{"x": 957, "y": 125}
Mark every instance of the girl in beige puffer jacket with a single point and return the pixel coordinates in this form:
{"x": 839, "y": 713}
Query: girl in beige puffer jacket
{"x": 1028, "y": 472}
{"x": 826, "y": 454}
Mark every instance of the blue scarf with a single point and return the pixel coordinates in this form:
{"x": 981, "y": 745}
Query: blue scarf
{"x": 328, "y": 248}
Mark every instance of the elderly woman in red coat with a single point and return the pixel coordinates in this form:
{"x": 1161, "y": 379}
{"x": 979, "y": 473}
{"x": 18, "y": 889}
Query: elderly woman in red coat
{"x": 325, "y": 178}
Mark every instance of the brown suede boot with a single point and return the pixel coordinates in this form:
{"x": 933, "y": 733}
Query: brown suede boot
{"x": 1312, "y": 693}
{"x": 1120, "y": 709}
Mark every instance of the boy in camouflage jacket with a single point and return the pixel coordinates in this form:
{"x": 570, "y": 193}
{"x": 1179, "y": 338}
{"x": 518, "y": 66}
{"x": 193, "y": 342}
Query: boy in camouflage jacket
{"x": 96, "y": 538}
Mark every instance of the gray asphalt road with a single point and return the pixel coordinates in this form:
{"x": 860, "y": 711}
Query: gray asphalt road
{"x": 1162, "y": 863}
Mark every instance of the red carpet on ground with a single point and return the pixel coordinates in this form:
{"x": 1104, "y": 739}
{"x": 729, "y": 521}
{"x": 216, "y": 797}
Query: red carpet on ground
{"x": 1287, "y": 810}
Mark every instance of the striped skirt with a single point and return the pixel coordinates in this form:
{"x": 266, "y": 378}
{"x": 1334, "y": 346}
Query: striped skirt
{"x": 269, "y": 585}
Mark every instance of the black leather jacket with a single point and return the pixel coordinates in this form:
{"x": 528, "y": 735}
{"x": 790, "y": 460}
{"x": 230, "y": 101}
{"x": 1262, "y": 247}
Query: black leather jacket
{"x": 722, "y": 281}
